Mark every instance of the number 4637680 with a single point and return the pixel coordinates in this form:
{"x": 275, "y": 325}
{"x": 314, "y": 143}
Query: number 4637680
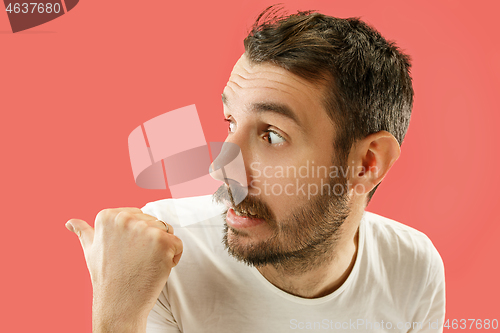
{"x": 463, "y": 324}
{"x": 33, "y": 7}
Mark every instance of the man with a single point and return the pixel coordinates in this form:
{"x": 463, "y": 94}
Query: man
{"x": 318, "y": 107}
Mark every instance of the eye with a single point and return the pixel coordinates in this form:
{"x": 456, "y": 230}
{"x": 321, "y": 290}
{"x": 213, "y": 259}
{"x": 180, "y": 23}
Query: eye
{"x": 231, "y": 126}
{"x": 273, "y": 137}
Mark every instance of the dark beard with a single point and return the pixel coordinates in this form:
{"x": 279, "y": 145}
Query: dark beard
{"x": 303, "y": 240}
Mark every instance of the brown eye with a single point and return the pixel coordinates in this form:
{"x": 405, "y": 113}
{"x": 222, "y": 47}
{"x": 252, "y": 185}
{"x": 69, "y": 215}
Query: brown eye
{"x": 273, "y": 137}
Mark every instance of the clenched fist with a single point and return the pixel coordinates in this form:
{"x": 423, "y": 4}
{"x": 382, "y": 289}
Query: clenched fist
{"x": 129, "y": 255}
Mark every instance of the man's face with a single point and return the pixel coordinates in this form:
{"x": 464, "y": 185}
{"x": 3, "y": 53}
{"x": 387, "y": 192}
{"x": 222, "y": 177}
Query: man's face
{"x": 286, "y": 140}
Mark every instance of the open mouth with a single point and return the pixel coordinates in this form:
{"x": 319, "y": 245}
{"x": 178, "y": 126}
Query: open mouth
{"x": 249, "y": 213}
{"x": 245, "y": 213}
{"x": 243, "y": 219}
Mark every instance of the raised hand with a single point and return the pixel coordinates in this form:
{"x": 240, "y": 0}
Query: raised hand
{"x": 129, "y": 255}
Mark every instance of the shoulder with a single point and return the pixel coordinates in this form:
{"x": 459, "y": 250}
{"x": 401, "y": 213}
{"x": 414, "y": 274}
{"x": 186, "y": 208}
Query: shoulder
{"x": 399, "y": 247}
{"x": 396, "y": 235}
{"x": 186, "y": 211}
{"x": 405, "y": 263}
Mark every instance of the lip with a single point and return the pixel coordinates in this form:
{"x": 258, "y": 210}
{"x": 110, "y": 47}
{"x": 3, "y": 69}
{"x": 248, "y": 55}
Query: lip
{"x": 241, "y": 222}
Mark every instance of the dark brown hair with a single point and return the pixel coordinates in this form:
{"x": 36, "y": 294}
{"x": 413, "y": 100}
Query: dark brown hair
{"x": 367, "y": 78}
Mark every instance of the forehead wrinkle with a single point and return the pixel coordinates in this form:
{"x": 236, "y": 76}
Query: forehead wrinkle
{"x": 258, "y": 77}
{"x": 229, "y": 83}
{"x": 246, "y": 75}
{"x": 227, "y": 100}
{"x": 264, "y": 67}
{"x": 293, "y": 95}
{"x": 274, "y": 70}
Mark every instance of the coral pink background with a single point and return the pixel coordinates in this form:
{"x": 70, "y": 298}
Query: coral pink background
{"x": 73, "y": 89}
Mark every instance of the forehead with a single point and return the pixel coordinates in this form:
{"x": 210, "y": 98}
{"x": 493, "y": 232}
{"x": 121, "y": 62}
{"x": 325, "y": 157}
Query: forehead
{"x": 264, "y": 82}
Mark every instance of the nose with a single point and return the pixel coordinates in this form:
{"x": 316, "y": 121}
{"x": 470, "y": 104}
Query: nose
{"x": 229, "y": 167}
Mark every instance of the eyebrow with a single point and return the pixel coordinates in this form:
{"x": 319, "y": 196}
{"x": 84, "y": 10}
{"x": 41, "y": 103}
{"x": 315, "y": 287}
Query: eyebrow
{"x": 278, "y": 108}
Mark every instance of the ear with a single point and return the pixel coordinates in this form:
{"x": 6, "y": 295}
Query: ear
{"x": 370, "y": 159}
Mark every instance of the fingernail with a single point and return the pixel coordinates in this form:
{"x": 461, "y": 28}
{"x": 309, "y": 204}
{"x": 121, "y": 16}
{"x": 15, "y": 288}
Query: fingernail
{"x": 70, "y": 227}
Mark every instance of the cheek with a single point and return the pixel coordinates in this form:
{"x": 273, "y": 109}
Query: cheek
{"x": 296, "y": 179}
{"x": 284, "y": 189}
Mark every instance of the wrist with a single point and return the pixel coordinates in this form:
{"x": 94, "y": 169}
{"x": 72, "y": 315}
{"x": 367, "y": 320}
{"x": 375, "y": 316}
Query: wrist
{"x": 107, "y": 326}
{"x": 115, "y": 318}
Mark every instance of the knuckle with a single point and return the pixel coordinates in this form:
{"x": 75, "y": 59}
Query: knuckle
{"x": 140, "y": 226}
{"x": 149, "y": 216}
{"x": 123, "y": 218}
{"x": 123, "y": 214}
{"x": 103, "y": 214}
{"x": 135, "y": 210}
{"x": 156, "y": 235}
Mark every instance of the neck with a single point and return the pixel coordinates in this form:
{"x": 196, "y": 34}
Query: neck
{"x": 328, "y": 271}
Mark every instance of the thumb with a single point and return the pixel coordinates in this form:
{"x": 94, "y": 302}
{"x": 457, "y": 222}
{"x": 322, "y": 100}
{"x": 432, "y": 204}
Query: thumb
{"x": 83, "y": 230}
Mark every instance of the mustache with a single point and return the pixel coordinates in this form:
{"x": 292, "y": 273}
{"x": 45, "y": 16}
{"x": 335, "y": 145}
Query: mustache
{"x": 236, "y": 193}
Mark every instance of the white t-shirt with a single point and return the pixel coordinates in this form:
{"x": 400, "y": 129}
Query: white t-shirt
{"x": 396, "y": 284}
